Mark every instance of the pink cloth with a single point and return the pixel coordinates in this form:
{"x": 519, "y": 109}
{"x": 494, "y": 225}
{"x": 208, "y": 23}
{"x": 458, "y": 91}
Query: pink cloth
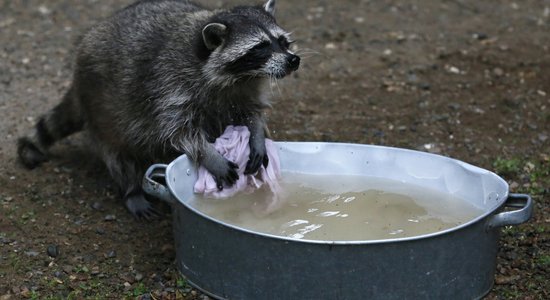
{"x": 233, "y": 145}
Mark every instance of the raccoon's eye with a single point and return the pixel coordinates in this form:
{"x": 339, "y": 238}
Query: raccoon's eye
{"x": 284, "y": 43}
{"x": 262, "y": 46}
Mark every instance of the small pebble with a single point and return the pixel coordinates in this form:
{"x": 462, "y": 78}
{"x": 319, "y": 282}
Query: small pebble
{"x": 479, "y": 111}
{"x": 94, "y": 271}
{"x": 53, "y": 250}
{"x": 167, "y": 248}
{"x": 498, "y": 72}
{"x": 127, "y": 278}
{"x": 512, "y": 255}
{"x": 31, "y": 253}
{"x": 67, "y": 269}
{"x": 97, "y": 206}
{"x": 25, "y": 292}
{"x": 111, "y": 254}
{"x": 378, "y": 133}
{"x": 330, "y": 46}
{"x": 454, "y": 70}
{"x": 5, "y": 240}
{"x": 480, "y": 36}
{"x": 500, "y": 280}
{"x": 532, "y": 126}
{"x": 110, "y": 217}
{"x": 431, "y": 148}
{"x": 139, "y": 277}
{"x": 100, "y": 231}
{"x": 167, "y": 275}
{"x": 44, "y": 10}
{"x": 454, "y": 106}
{"x": 428, "y": 146}
{"x": 425, "y": 86}
{"x": 156, "y": 277}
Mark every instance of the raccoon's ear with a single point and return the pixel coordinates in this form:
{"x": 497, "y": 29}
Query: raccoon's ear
{"x": 213, "y": 35}
{"x": 269, "y": 6}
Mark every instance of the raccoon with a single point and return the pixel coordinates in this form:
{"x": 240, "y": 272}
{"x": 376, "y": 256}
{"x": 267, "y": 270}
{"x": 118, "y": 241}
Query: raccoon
{"x": 164, "y": 77}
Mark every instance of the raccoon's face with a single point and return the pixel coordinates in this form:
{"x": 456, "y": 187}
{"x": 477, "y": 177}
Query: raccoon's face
{"x": 246, "y": 42}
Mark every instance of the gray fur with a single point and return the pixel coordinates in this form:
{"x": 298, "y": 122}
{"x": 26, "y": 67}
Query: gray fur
{"x": 163, "y": 77}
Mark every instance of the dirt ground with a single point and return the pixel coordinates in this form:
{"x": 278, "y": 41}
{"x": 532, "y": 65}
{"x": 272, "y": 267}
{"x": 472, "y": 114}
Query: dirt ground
{"x": 462, "y": 78}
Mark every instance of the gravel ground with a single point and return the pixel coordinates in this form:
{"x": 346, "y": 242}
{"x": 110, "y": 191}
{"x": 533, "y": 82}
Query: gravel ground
{"x": 463, "y": 78}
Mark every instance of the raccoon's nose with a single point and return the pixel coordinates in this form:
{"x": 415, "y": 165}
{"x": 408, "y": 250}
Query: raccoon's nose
{"x": 294, "y": 62}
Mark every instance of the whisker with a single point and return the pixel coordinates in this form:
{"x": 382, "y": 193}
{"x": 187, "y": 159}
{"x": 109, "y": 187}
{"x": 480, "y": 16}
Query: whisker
{"x": 305, "y": 56}
{"x": 308, "y": 53}
{"x": 278, "y": 88}
{"x": 307, "y": 50}
{"x": 271, "y": 83}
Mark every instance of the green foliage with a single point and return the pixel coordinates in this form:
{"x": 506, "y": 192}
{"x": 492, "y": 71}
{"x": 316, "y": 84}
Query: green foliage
{"x": 182, "y": 283}
{"x": 535, "y": 175}
{"x": 544, "y": 260}
{"x": 35, "y": 295}
{"x": 507, "y": 167}
{"x": 81, "y": 269}
{"x": 139, "y": 290}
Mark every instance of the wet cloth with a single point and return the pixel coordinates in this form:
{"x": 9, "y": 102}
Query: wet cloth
{"x": 233, "y": 145}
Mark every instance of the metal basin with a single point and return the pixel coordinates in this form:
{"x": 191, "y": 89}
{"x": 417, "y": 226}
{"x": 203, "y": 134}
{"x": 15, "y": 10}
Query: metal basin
{"x": 228, "y": 262}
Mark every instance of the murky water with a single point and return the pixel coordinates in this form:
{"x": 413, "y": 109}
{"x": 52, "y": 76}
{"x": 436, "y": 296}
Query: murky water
{"x": 338, "y": 208}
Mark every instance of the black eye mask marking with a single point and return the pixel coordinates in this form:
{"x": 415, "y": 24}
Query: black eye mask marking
{"x": 254, "y": 59}
{"x": 261, "y": 46}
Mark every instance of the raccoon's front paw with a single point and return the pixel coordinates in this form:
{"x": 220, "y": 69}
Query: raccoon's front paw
{"x": 226, "y": 173}
{"x": 29, "y": 154}
{"x": 139, "y": 207}
{"x": 257, "y": 158}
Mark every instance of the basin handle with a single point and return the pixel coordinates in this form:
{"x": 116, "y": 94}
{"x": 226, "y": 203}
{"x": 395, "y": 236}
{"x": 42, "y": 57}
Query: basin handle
{"x": 514, "y": 217}
{"x": 153, "y": 187}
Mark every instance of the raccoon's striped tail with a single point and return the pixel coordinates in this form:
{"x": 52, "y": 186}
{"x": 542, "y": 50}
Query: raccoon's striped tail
{"x": 61, "y": 121}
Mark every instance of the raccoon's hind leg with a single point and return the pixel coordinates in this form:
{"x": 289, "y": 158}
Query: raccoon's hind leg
{"x": 128, "y": 176}
{"x": 61, "y": 121}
